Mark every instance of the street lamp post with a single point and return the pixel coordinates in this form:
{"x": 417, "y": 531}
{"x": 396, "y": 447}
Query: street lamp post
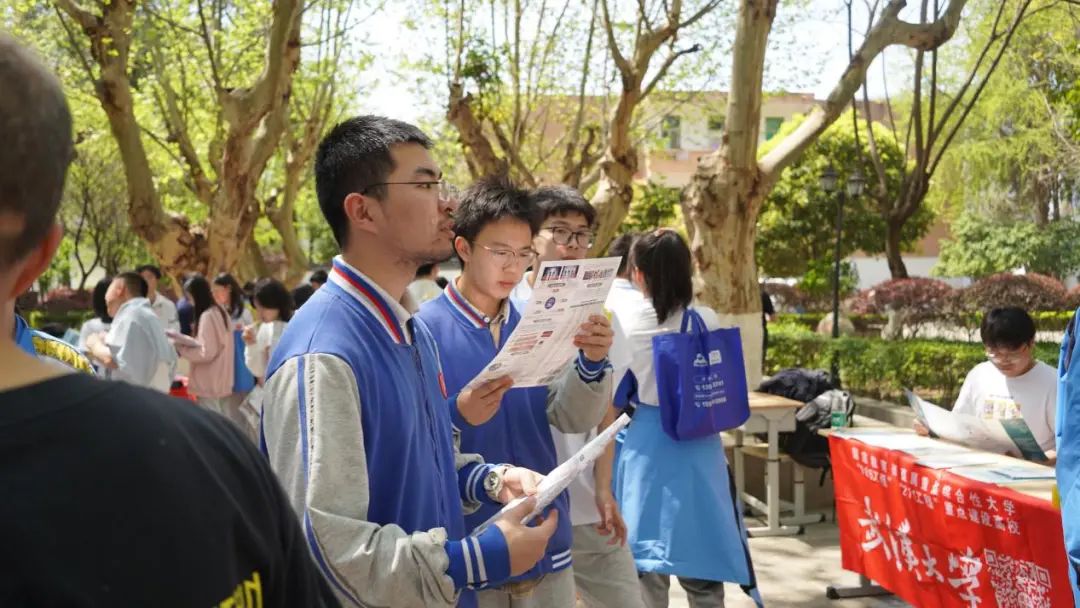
{"x": 854, "y": 189}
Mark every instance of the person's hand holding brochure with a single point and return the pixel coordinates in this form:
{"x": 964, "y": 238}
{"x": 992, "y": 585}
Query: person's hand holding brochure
{"x": 557, "y": 480}
{"x": 566, "y": 294}
{"x": 991, "y": 435}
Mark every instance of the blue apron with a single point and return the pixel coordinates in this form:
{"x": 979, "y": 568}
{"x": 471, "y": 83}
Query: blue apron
{"x": 677, "y": 500}
{"x": 1067, "y": 431}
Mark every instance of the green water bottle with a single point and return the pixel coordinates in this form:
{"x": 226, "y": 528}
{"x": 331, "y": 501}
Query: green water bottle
{"x": 838, "y": 404}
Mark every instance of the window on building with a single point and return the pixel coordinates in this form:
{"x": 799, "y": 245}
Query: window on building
{"x": 716, "y": 123}
{"x": 671, "y": 132}
{"x": 772, "y": 125}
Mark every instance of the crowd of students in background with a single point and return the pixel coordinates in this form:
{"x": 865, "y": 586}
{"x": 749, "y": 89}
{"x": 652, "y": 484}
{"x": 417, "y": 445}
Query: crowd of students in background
{"x": 375, "y": 459}
{"x": 354, "y": 393}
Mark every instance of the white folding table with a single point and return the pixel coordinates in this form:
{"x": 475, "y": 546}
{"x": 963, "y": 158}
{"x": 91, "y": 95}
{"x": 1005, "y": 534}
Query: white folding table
{"x": 771, "y": 415}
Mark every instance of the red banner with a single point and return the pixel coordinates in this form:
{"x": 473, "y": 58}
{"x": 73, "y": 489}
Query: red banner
{"x": 936, "y": 539}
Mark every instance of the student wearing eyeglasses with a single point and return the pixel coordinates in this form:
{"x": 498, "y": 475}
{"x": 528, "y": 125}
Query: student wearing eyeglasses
{"x": 471, "y": 322}
{"x": 604, "y": 570}
{"x": 1011, "y": 383}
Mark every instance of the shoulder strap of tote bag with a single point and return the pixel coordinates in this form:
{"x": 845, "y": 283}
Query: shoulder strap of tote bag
{"x": 691, "y": 316}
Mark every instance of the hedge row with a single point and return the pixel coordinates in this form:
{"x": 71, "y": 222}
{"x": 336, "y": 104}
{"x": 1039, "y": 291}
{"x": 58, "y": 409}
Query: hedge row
{"x": 810, "y": 320}
{"x": 73, "y": 319}
{"x": 882, "y": 369}
{"x": 1044, "y": 320}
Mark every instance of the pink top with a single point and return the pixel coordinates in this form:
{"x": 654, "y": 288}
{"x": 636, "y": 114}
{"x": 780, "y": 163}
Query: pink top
{"x": 212, "y": 364}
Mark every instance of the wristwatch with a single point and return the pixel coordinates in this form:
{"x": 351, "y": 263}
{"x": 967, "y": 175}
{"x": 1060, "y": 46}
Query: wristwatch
{"x": 493, "y": 482}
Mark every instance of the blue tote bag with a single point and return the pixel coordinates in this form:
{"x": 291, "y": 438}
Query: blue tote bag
{"x": 701, "y": 379}
{"x": 243, "y": 380}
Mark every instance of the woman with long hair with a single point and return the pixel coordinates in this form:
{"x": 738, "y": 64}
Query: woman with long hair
{"x": 274, "y": 307}
{"x": 101, "y": 321}
{"x": 676, "y": 496}
{"x": 230, "y": 296}
{"x": 211, "y": 377}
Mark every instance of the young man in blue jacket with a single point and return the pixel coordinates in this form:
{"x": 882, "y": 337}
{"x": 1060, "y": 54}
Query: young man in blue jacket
{"x": 355, "y": 415}
{"x": 471, "y": 321}
{"x": 604, "y": 568}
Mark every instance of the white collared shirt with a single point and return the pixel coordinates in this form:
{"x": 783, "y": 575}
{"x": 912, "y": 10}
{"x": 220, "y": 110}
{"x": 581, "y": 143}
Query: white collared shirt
{"x": 165, "y": 310}
{"x": 622, "y": 301}
{"x": 142, "y": 354}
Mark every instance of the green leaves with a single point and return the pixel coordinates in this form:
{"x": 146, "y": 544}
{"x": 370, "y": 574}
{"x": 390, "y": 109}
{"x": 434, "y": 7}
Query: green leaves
{"x": 1017, "y": 156}
{"x": 796, "y": 228}
{"x": 654, "y": 205}
{"x": 982, "y": 245}
{"x": 882, "y": 369}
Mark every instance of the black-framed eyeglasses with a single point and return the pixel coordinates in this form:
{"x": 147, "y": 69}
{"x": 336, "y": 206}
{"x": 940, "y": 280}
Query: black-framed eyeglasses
{"x": 563, "y": 236}
{"x": 447, "y": 191}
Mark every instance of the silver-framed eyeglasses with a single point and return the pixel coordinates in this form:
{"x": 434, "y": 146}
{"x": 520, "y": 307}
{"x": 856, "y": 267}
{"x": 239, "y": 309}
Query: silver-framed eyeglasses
{"x": 563, "y": 236}
{"x": 447, "y": 191}
{"x": 507, "y": 257}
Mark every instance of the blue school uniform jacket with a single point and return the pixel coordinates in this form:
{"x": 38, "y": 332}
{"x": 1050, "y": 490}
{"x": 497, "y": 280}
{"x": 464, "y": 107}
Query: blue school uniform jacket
{"x": 1067, "y": 429}
{"x": 356, "y": 425}
{"x": 519, "y": 433}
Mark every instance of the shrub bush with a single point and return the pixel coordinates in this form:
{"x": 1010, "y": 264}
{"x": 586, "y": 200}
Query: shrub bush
{"x": 816, "y": 283}
{"x": 1032, "y": 292}
{"x": 864, "y": 324}
{"x": 785, "y": 297}
{"x": 65, "y": 299}
{"x": 1072, "y": 298}
{"x": 1051, "y": 320}
{"x": 73, "y": 319}
{"x": 882, "y": 369}
{"x": 918, "y": 299}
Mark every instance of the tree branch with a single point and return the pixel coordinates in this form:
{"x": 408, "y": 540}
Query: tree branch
{"x": 579, "y": 117}
{"x": 84, "y": 18}
{"x": 613, "y": 44}
{"x": 511, "y": 152}
{"x": 995, "y": 35}
{"x": 890, "y": 30}
{"x": 204, "y": 33}
{"x": 705, "y": 10}
{"x": 875, "y": 152}
{"x": 75, "y": 46}
{"x": 245, "y": 107}
{"x": 482, "y": 160}
{"x": 178, "y": 132}
{"x": 665, "y": 66}
{"x": 936, "y": 159}
{"x": 164, "y": 145}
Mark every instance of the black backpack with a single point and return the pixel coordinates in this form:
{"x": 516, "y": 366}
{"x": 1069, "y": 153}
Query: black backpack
{"x": 815, "y": 389}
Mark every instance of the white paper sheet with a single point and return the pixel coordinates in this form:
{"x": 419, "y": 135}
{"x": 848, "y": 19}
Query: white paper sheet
{"x": 565, "y": 295}
{"x": 1005, "y": 474}
{"x": 179, "y": 339}
{"x": 888, "y": 438}
{"x": 1022, "y": 472}
{"x": 951, "y": 460}
{"x": 557, "y": 481}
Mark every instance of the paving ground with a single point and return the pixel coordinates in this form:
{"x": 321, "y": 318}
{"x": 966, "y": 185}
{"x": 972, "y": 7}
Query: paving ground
{"x": 794, "y": 571}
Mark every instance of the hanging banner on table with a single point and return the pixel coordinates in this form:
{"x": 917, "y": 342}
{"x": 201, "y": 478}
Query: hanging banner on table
{"x": 938, "y": 540}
